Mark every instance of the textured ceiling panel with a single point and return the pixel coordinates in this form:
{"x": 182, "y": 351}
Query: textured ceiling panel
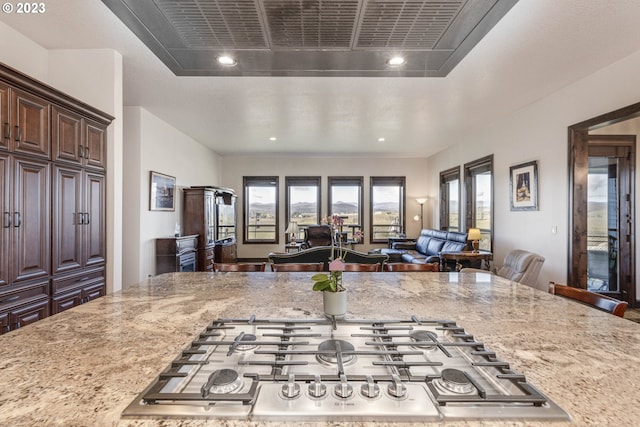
{"x": 216, "y": 24}
{"x": 311, "y": 37}
{"x": 315, "y": 24}
{"x": 406, "y": 24}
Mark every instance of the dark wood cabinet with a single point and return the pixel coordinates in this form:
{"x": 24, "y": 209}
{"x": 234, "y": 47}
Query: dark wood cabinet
{"x": 199, "y": 218}
{"x": 76, "y": 287}
{"x": 78, "y": 219}
{"x": 226, "y": 252}
{"x": 52, "y": 200}
{"x": 210, "y": 213}
{"x": 5, "y": 126}
{"x": 30, "y": 228}
{"x": 29, "y": 124}
{"x": 94, "y": 145}
{"x": 175, "y": 254}
{"x": 26, "y": 315}
{"x": 77, "y": 140}
{"x": 5, "y": 210}
{"x": 23, "y": 303}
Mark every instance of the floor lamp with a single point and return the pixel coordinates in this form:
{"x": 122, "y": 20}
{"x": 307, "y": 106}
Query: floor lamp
{"x": 421, "y": 201}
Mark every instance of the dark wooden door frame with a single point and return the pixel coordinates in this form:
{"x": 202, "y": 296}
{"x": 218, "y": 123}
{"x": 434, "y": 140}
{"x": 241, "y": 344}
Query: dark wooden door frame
{"x": 578, "y": 156}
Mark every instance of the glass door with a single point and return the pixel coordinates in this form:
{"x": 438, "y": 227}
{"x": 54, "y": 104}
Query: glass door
{"x": 609, "y": 219}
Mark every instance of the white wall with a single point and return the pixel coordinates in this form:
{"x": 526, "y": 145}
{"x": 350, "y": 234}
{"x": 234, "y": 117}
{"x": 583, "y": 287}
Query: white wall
{"x": 539, "y": 132}
{"x": 154, "y": 145}
{"x": 21, "y": 53}
{"x": 234, "y": 168}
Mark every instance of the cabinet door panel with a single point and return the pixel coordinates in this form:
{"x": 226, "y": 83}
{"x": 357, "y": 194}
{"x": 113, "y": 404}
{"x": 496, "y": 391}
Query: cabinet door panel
{"x": 27, "y": 315}
{"x": 4, "y": 323}
{"x": 30, "y": 117}
{"x": 95, "y": 145}
{"x": 5, "y": 220}
{"x": 95, "y": 223}
{"x": 31, "y": 235}
{"x": 66, "y": 301}
{"x": 5, "y": 126}
{"x": 67, "y": 219}
{"x": 66, "y": 136}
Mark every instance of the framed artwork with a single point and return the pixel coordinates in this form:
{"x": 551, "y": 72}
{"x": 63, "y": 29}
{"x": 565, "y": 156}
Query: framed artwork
{"x": 523, "y": 186}
{"x": 162, "y": 192}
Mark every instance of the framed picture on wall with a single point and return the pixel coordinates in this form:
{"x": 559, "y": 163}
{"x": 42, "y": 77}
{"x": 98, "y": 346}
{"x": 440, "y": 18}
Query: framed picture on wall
{"x": 523, "y": 186}
{"x": 162, "y": 192}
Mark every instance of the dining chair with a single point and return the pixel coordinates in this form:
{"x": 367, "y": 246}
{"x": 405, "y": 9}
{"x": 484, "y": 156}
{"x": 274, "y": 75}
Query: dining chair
{"x": 354, "y": 266}
{"x": 305, "y": 266}
{"x": 223, "y": 267}
{"x": 405, "y": 266}
{"x": 599, "y": 301}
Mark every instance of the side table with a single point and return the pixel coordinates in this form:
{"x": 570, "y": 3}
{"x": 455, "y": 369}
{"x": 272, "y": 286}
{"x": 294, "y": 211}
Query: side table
{"x": 465, "y": 257}
{"x": 292, "y": 247}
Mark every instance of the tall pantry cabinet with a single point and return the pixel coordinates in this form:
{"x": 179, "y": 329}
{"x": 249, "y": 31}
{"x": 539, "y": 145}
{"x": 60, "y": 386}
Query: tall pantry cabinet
{"x": 52, "y": 201}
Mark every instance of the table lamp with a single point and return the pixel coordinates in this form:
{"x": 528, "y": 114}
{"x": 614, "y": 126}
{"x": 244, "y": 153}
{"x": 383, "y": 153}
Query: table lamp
{"x": 475, "y": 236}
{"x": 292, "y": 230}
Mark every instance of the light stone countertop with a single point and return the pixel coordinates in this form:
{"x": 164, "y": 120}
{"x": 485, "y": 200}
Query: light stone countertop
{"x": 84, "y": 366}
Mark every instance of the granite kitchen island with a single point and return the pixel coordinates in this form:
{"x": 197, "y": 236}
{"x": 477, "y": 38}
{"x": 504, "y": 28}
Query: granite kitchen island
{"x": 84, "y": 366}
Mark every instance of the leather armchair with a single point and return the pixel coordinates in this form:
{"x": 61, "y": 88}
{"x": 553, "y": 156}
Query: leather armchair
{"x": 519, "y": 266}
{"x": 317, "y": 235}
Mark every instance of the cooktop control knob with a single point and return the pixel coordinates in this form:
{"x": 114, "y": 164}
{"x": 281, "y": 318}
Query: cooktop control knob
{"x": 344, "y": 389}
{"x": 370, "y": 389}
{"x": 316, "y": 388}
{"x": 396, "y": 388}
{"x": 291, "y": 389}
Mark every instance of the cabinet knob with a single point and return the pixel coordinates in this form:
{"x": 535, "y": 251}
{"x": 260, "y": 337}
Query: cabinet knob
{"x": 7, "y": 131}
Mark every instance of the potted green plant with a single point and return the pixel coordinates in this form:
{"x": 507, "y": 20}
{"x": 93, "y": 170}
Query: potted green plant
{"x": 334, "y": 294}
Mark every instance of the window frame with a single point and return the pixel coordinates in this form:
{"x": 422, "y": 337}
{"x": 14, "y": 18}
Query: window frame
{"x": 471, "y": 169}
{"x": 255, "y": 181}
{"x": 292, "y": 181}
{"x": 346, "y": 181}
{"x": 447, "y": 176}
{"x": 388, "y": 181}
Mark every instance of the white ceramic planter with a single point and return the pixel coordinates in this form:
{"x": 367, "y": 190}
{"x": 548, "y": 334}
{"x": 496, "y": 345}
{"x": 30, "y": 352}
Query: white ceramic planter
{"x": 335, "y": 303}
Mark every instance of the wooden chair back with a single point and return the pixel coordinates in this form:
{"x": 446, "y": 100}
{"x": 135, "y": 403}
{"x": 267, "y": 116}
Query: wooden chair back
{"x": 404, "y": 266}
{"x": 239, "y": 267}
{"x": 601, "y": 302}
{"x": 354, "y": 266}
{"x": 304, "y": 266}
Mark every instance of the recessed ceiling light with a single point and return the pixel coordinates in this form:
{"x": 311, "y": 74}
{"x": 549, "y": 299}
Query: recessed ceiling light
{"x": 273, "y": 138}
{"x": 395, "y": 61}
{"x": 226, "y": 60}
{"x": 380, "y": 139}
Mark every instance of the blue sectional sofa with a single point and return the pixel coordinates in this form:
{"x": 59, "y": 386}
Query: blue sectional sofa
{"x": 427, "y": 247}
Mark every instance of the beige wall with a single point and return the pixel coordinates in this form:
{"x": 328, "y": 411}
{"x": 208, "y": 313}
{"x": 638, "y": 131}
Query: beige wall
{"x": 539, "y": 132}
{"x": 234, "y": 168}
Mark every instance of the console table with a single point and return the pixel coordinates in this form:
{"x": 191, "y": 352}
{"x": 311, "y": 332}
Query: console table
{"x": 465, "y": 257}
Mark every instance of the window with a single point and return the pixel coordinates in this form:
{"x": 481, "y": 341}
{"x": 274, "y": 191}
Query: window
{"x": 450, "y": 199}
{"x": 345, "y": 200}
{"x": 478, "y": 184}
{"x": 387, "y": 209}
{"x": 260, "y": 209}
{"x": 302, "y": 201}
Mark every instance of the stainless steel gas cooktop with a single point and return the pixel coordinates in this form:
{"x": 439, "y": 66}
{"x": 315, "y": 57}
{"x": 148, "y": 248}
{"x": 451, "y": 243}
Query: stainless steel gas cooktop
{"x": 366, "y": 370}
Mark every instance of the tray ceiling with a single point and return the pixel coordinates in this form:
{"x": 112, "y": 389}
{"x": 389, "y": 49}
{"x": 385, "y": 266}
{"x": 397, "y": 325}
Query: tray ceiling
{"x": 311, "y": 37}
